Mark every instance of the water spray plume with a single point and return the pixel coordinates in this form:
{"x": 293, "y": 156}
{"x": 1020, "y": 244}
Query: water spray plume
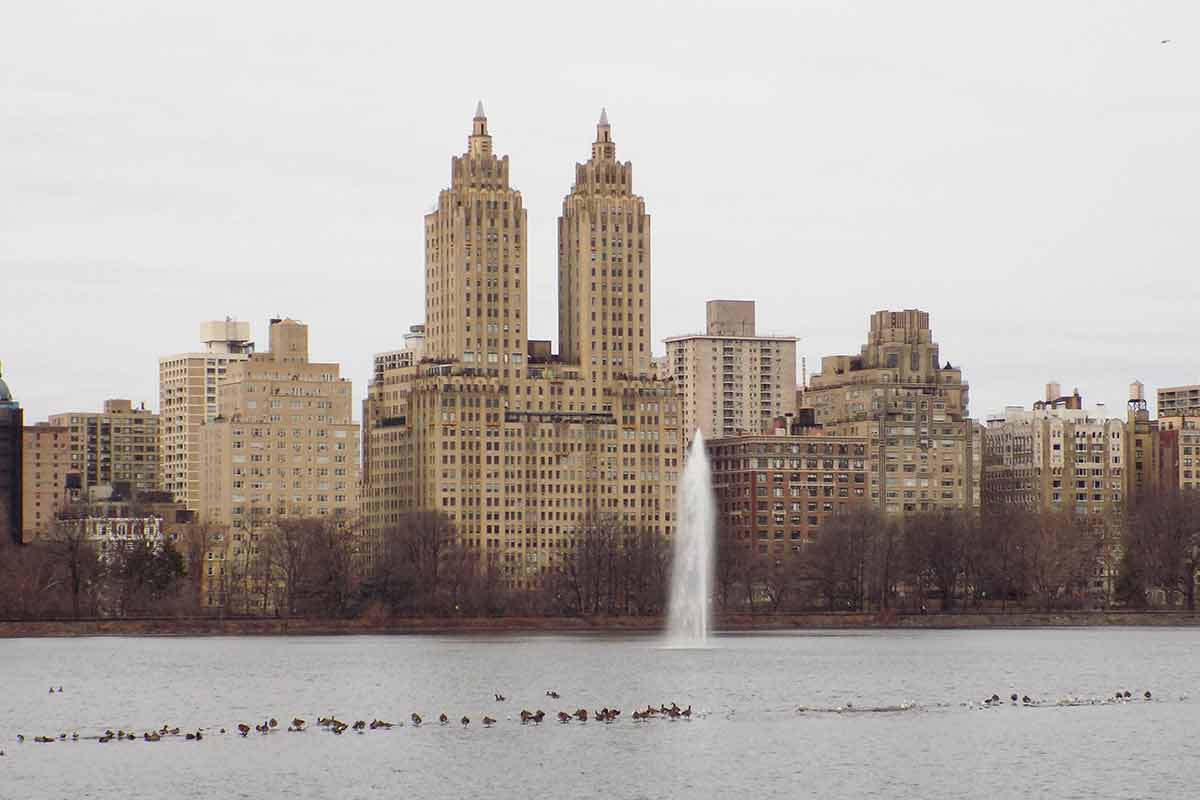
{"x": 688, "y": 622}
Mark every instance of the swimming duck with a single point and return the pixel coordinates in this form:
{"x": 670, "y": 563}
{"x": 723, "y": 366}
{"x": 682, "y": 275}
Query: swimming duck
{"x": 465, "y": 721}
{"x": 564, "y": 716}
{"x": 443, "y": 718}
{"x": 416, "y": 718}
{"x": 488, "y": 721}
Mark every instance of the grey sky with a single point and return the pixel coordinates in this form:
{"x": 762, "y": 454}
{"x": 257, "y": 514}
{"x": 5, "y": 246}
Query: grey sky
{"x": 1026, "y": 172}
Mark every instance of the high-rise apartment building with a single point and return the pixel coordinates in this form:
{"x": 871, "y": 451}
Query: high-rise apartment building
{"x": 1180, "y": 443}
{"x": 1055, "y": 459}
{"x": 731, "y": 380}
{"x": 282, "y": 443}
{"x": 1179, "y": 401}
{"x": 518, "y": 451}
{"x": 476, "y": 254}
{"x": 116, "y": 445}
{"x": 604, "y": 267}
{"x": 1065, "y": 458}
{"x": 189, "y": 386}
{"x": 45, "y": 465}
{"x": 776, "y": 492}
{"x": 911, "y": 409}
{"x": 11, "y": 426}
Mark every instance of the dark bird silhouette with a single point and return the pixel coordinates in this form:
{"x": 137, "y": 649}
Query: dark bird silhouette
{"x": 488, "y": 721}
{"x": 1147, "y": 694}
{"x": 243, "y": 728}
{"x": 1165, "y": 41}
{"x": 416, "y": 718}
{"x": 465, "y": 721}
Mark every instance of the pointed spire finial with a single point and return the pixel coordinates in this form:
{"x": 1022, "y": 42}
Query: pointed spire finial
{"x": 479, "y": 110}
{"x": 604, "y": 117}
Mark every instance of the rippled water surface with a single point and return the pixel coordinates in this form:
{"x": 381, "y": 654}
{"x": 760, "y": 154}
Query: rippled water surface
{"x": 749, "y": 738}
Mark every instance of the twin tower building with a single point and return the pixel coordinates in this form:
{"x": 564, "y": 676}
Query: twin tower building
{"x": 519, "y": 446}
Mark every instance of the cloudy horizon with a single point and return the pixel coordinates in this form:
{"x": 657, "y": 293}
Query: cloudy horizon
{"x": 1031, "y": 188}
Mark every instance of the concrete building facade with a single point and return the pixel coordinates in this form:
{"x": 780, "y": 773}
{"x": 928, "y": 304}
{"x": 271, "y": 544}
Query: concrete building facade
{"x": 911, "y": 409}
{"x": 189, "y": 386}
{"x": 1056, "y": 459}
{"x": 604, "y": 268}
{"x": 731, "y": 380}
{"x": 1179, "y": 401}
{"x": 119, "y": 444}
{"x": 776, "y": 492}
{"x": 283, "y": 442}
{"x": 45, "y": 466}
{"x": 519, "y": 452}
{"x": 475, "y": 263}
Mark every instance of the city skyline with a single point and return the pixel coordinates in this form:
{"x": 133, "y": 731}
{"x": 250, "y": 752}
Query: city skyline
{"x": 1042, "y": 252}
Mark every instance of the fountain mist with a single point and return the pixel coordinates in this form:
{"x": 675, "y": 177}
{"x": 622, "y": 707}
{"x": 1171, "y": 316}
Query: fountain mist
{"x": 692, "y": 569}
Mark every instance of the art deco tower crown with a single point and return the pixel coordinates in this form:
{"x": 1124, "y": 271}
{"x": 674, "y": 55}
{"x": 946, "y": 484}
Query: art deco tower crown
{"x": 475, "y": 263}
{"x": 604, "y": 267}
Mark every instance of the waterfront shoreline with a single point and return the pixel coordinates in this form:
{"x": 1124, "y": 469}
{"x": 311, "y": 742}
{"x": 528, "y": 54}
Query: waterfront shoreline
{"x": 592, "y": 624}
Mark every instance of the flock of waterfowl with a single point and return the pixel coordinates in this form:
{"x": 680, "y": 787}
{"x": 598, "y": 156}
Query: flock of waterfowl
{"x": 336, "y": 726}
{"x": 994, "y": 701}
{"x": 672, "y": 712}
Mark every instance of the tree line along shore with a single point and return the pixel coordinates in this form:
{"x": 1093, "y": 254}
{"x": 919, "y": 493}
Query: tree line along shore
{"x": 864, "y": 568}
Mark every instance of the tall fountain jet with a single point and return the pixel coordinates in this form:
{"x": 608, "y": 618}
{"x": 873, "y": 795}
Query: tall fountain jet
{"x": 692, "y": 573}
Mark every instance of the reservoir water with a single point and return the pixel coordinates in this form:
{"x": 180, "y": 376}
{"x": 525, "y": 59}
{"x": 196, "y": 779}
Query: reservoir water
{"x": 746, "y": 736}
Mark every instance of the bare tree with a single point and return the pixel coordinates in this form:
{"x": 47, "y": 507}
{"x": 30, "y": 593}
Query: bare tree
{"x": 77, "y": 558}
{"x": 1163, "y": 543}
{"x": 1056, "y": 556}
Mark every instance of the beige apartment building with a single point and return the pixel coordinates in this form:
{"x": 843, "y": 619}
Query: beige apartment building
{"x": 116, "y": 445}
{"x": 519, "y": 449}
{"x": 1179, "y": 401}
{"x": 912, "y": 410}
{"x": 476, "y": 254}
{"x": 731, "y": 380}
{"x": 189, "y": 386}
{"x": 282, "y": 443}
{"x": 604, "y": 267}
{"x": 45, "y": 465}
{"x": 1055, "y": 459}
{"x": 1066, "y": 458}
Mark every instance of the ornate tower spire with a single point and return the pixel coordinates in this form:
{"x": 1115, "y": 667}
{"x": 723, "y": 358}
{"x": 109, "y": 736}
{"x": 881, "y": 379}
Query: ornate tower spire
{"x": 475, "y": 259}
{"x": 603, "y": 149}
{"x": 479, "y": 143}
{"x": 604, "y": 268}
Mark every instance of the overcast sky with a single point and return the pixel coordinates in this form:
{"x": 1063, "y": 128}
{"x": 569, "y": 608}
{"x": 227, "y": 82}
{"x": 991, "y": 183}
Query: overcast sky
{"x": 1026, "y": 172}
